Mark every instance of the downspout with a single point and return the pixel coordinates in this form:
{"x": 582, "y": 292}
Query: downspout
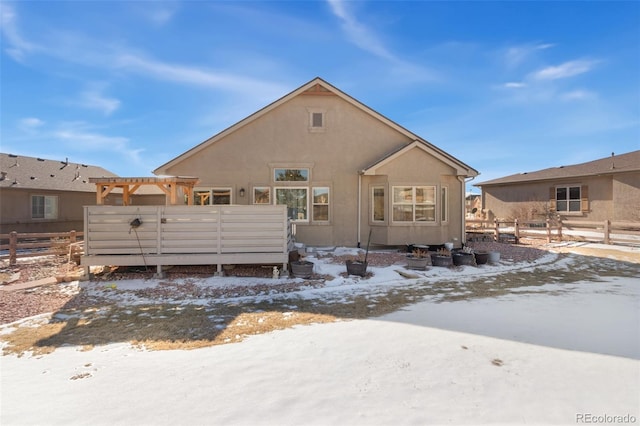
{"x": 464, "y": 210}
{"x": 359, "y": 206}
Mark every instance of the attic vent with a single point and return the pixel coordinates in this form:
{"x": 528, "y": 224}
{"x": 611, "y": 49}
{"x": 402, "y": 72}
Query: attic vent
{"x": 13, "y": 156}
{"x": 52, "y": 175}
{"x": 64, "y": 163}
{"x": 3, "y": 175}
{"x": 15, "y": 182}
{"x": 33, "y": 178}
{"x": 40, "y": 159}
{"x": 84, "y": 165}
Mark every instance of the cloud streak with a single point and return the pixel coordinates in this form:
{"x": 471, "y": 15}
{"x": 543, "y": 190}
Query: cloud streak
{"x": 564, "y": 70}
{"x": 17, "y": 46}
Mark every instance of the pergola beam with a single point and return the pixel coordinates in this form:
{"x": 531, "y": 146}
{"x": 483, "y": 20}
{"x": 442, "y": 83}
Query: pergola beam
{"x": 168, "y": 185}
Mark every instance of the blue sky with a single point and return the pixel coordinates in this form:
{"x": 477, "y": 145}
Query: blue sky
{"x": 506, "y": 87}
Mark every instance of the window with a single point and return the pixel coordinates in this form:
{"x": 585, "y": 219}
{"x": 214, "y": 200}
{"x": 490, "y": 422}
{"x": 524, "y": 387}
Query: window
{"x": 261, "y": 195}
{"x": 205, "y": 197}
{"x": 568, "y": 199}
{"x": 291, "y": 175}
{"x": 296, "y": 201}
{"x": 414, "y": 203}
{"x": 377, "y": 208}
{"x": 320, "y": 204}
{"x": 44, "y": 207}
{"x": 444, "y": 204}
{"x": 316, "y": 120}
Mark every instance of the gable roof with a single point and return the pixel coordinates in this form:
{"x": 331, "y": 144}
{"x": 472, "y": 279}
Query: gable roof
{"x": 17, "y": 171}
{"x": 318, "y": 86}
{"x": 461, "y": 168}
{"x": 623, "y": 163}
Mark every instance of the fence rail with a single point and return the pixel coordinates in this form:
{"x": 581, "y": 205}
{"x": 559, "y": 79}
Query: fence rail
{"x": 607, "y": 231}
{"x": 37, "y": 244}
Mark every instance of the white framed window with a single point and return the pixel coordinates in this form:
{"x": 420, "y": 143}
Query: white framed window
{"x": 261, "y": 195}
{"x": 568, "y": 198}
{"x": 291, "y": 175}
{"x": 377, "y": 204}
{"x": 44, "y": 207}
{"x": 320, "y": 205}
{"x": 444, "y": 204}
{"x": 211, "y": 196}
{"x": 297, "y": 201}
{"x": 414, "y": 204}
{"x": 317, "y": 120}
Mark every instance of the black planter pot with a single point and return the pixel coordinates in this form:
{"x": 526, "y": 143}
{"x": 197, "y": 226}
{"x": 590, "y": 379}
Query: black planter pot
{"x": 438, "y": 260}
{"x": 460, "y": 259}
{"x": 302, "y": 269}
{"x": 482, "y": 257}
{"x": 419, "y": 263}
{"x": 356, "y": 267}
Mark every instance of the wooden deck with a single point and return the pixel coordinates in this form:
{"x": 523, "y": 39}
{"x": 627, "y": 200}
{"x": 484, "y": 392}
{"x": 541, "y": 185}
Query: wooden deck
{"x": 186, "y": 235}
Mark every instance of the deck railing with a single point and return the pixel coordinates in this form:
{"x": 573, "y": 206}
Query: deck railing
{"x": 186, "y": 235}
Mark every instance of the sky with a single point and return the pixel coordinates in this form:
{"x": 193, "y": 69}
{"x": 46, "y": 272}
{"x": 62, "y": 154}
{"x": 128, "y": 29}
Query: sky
{"x": 505, "y": 87}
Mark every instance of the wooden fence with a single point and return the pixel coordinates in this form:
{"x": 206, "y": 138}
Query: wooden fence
{"x": 606, "y": 231}
{"x": 37, "y": 244}
{"x": 186, "y": 235}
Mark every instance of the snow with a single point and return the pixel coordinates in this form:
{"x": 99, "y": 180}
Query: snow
{"x": 544, "y": 353}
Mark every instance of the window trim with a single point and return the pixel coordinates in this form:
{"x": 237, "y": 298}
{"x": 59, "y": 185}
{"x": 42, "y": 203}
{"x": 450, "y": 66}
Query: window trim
{"x": 444, "y": 201}
{"x": 279, "y": 182}
{"x": 311, "y": 113}
{"x": 210, "y": 190}
{"x": 373, "y": 204}
{"x": 267, "y": 189}
{"x": 52, "y": 215}
{"x": 275, "y": 201}
{"x": 414, "y": 204}
{"x": 569, "y": 200}
{"x": 314, "y": 204}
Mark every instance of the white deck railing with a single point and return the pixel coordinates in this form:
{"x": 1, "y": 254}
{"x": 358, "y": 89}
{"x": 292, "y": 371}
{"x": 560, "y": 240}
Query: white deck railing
{"x": 186, "y": 235}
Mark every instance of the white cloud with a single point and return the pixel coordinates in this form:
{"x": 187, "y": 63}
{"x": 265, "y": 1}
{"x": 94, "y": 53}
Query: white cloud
{"x": 30, "y": 123}
{"x": 94, "y": 99}
{"x": 516, "y": 55}
{"x": 577, "y": 95}
{"x": 15, "y": 45}
{"x": 358, "y": 33}
{"x": 514, "y": 85}
{"x": 565, "y": 70}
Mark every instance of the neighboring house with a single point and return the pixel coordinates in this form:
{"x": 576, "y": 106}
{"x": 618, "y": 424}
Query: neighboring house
{"x": 608, "y": 188}
{"x": 40, "y": 195}
{"x": 341, "y": 168}
{"x": 473, "y": 206}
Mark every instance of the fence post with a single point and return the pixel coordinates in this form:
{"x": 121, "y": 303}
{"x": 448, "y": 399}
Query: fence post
{"x": 13, "y": 247}
{"x": 496, "y": 225}
{"x": 548, "y": 224}
{"x": 560, "y": 229}
{"x": 607, "y": 231}
{"x": 516, "y": 229}
{"x": 72, "y": 237}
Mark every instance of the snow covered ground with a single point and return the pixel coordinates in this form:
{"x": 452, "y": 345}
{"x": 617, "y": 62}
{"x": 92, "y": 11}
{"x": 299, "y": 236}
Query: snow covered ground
{"x": 558, "y": 351}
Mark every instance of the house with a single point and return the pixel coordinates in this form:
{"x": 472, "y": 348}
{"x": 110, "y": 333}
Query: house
{"x": 41, "y": 195}
{"x": 343, "y": 170}
{"x": 473, "y": 206}
{"x": 604, "y": 189}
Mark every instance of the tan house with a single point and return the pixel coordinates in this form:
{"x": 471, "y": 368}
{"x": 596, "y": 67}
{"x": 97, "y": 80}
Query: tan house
{"x": 608, "y": 188}
{"x": 41, "y": 195}
{"x": 341, "y": 168}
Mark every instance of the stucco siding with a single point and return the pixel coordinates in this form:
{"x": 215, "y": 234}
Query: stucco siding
{"x": 626, "y": 197}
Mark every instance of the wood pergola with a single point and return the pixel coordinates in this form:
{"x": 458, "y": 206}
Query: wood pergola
{"x": 129, "y": 185}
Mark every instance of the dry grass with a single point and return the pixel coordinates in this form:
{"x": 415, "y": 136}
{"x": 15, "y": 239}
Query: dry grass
{"x": 87, "y": 322}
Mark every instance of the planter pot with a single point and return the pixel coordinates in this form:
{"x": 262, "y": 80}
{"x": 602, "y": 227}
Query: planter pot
{"x": 419, "y": 263}
{"x": 448, "y": 246}
{"x": 356, "y": 267}
{"x": 437, "y": 260}
{"x": 494, "y": 256}
{"x": 460, "y": 259}
{"x": 482, "y": 257}
{"x": 302, "y": 269}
